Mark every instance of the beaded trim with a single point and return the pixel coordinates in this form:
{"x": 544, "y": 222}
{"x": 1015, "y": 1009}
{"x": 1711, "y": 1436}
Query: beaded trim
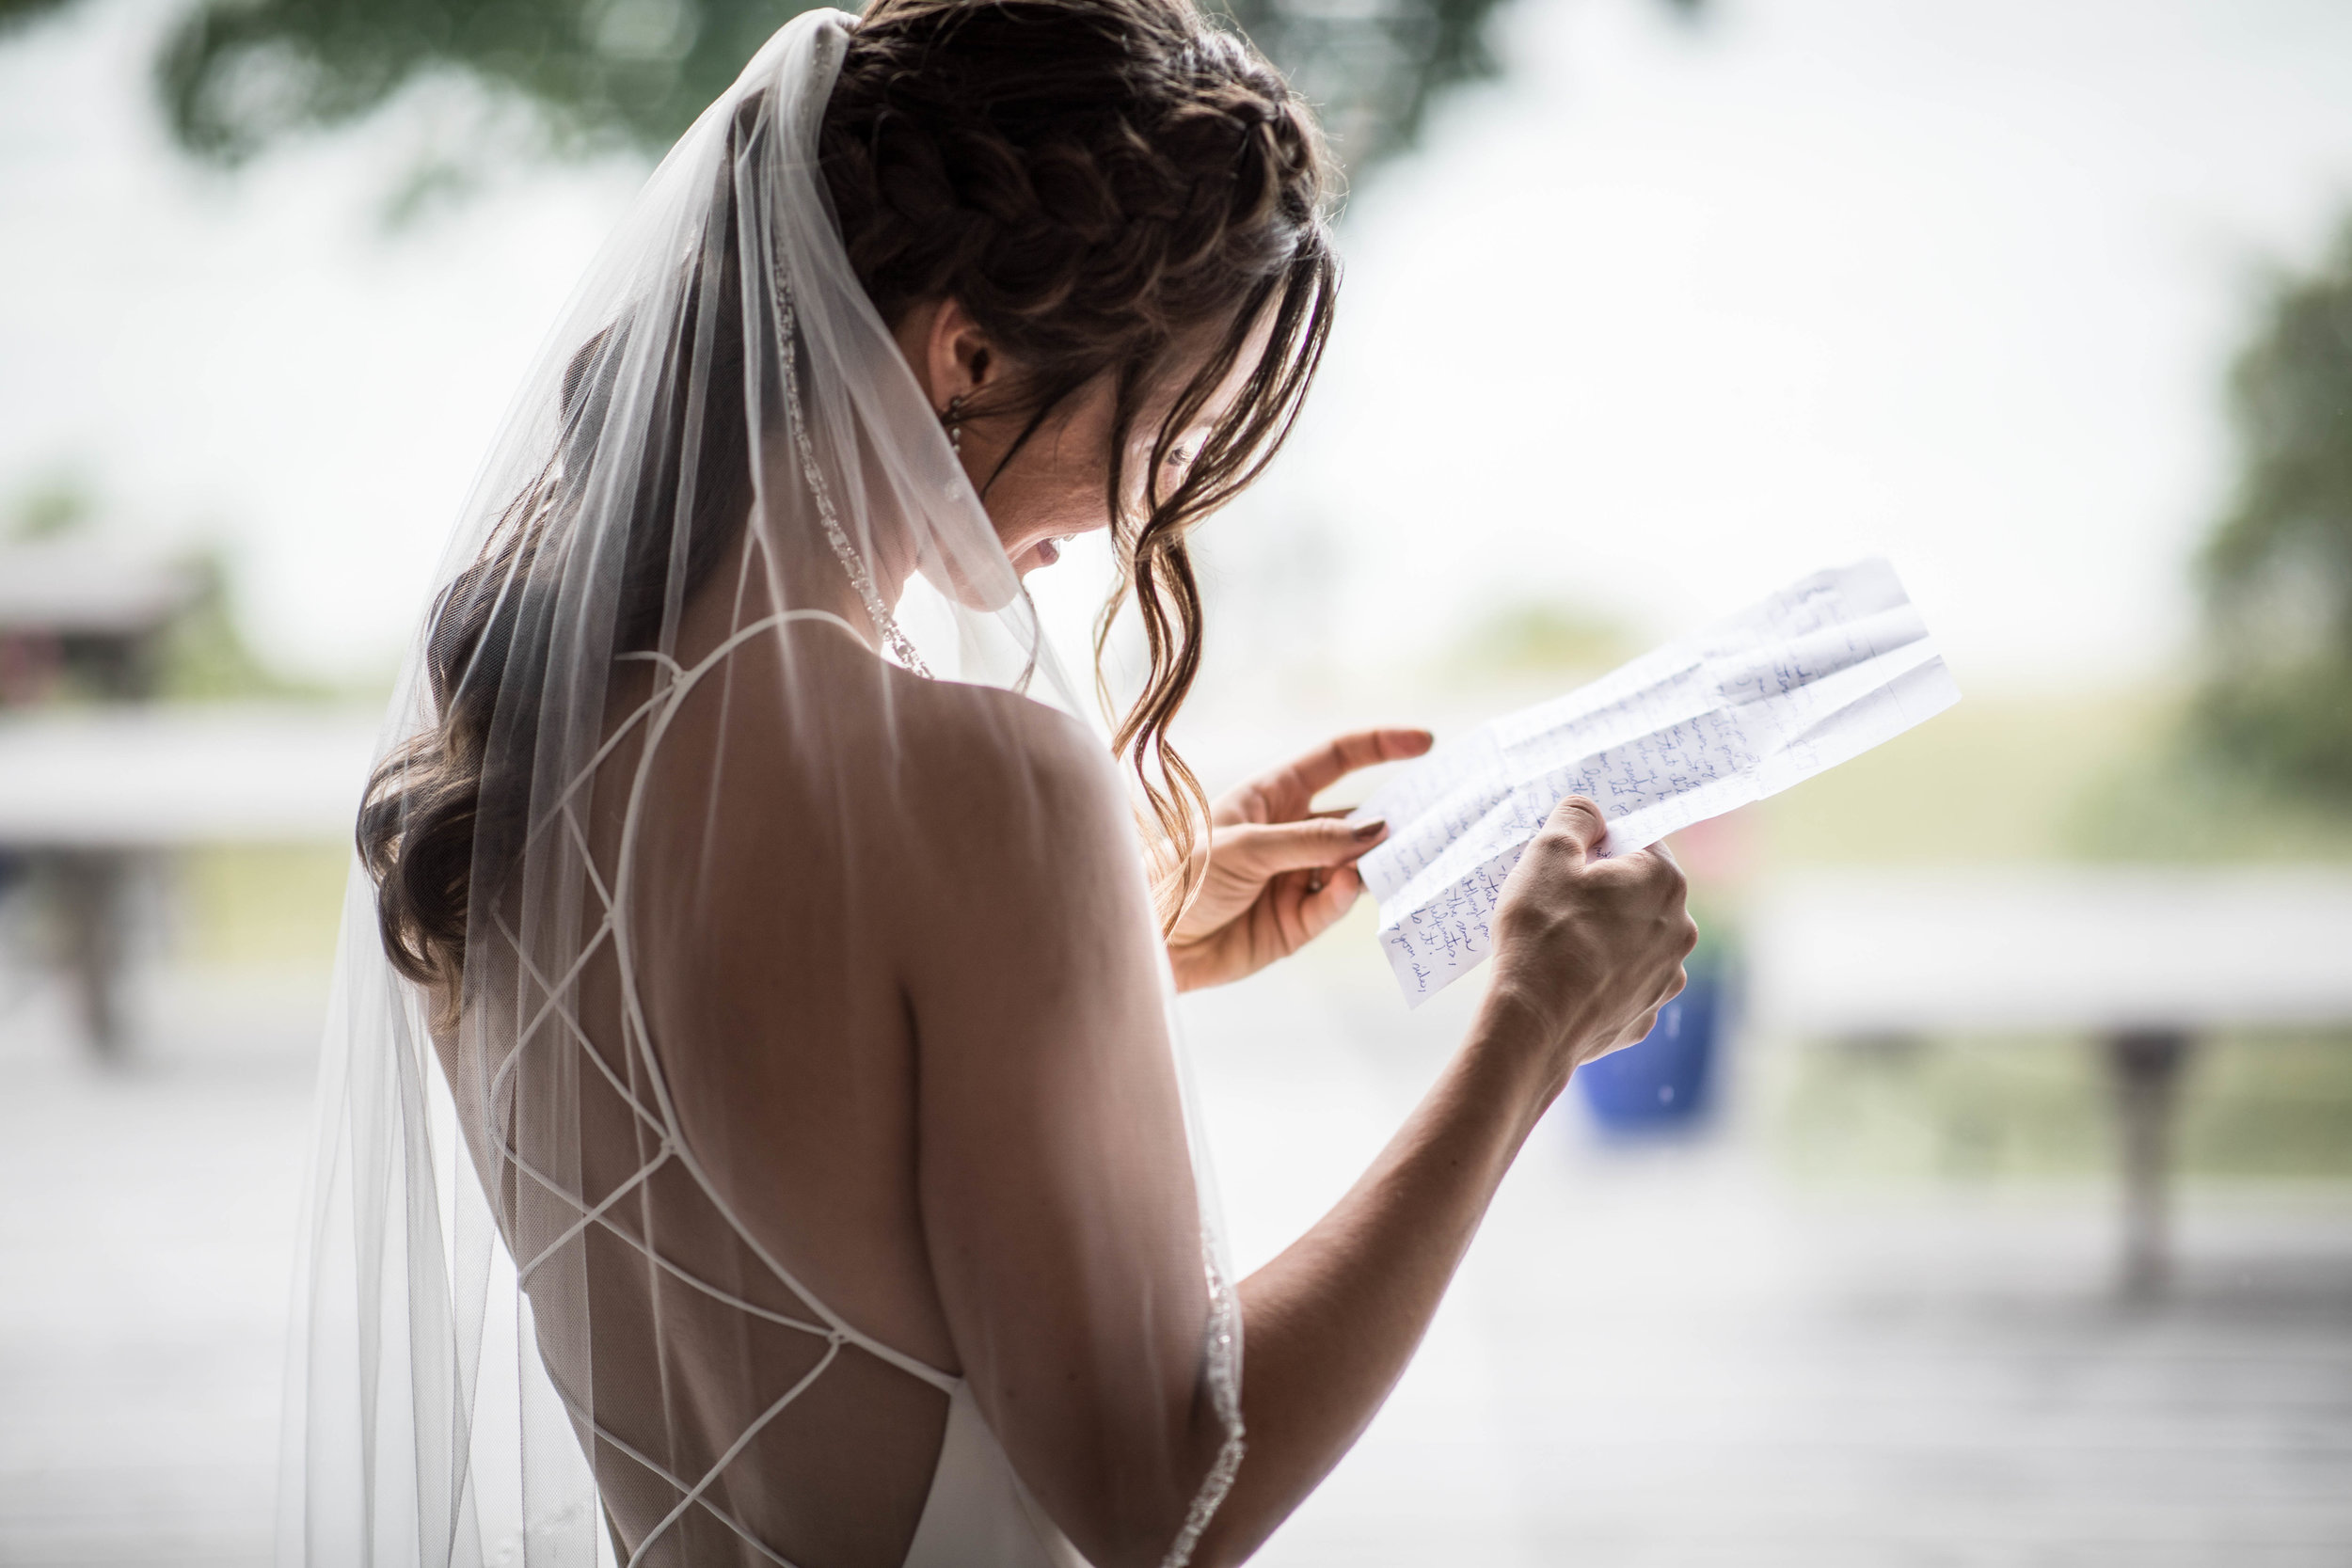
{"x": 1223, "y": 1354}
{"x": 852, "y": 563}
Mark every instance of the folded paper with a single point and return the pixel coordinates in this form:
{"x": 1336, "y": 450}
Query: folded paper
{"x": 1818, "y": 672}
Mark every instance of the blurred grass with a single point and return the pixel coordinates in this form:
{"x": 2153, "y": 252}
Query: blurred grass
{"x": 2024, "y": 1109}
{"x": 1986, "y": 781}
{"x": 259, "y": 907}
{"x": 2107, "y": 777}
{"x": 1994, "y": 780}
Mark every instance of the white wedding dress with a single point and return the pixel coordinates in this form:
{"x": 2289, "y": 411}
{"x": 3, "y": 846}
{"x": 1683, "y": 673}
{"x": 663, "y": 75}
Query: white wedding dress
{"x": 979, "y": 1512}
{"x": 527, "y": 1328}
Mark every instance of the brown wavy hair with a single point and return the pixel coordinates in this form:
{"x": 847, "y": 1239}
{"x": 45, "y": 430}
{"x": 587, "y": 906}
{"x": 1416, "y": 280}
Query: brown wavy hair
{"x": 1105, "y": 186}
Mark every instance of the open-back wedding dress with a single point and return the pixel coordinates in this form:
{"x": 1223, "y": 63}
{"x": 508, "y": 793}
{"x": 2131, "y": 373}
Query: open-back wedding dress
{"x": 723, "y": 596}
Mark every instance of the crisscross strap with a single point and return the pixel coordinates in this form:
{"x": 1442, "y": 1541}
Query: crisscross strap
{"x": 555, "y": 1016}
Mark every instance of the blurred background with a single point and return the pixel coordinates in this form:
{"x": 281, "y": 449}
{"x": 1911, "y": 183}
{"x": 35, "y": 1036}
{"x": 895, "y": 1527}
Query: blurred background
{"x": 1988, "y": 1200}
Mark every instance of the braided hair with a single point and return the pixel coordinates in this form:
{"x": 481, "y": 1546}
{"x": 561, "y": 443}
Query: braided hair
{"x": 1101, "y": 183}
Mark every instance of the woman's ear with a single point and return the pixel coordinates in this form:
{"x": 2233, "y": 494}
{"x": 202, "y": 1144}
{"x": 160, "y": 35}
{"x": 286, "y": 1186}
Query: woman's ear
{"x": 958, "y": 356}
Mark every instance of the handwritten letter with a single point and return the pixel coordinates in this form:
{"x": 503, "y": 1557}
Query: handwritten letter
{"x": 1820, "y": 672}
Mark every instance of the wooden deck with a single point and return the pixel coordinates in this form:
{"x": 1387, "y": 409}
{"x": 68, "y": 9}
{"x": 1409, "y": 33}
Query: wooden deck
{"x": 1658, "y": 1358}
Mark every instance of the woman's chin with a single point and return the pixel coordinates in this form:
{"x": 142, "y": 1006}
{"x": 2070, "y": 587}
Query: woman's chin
{"x": 1044, "y": 553}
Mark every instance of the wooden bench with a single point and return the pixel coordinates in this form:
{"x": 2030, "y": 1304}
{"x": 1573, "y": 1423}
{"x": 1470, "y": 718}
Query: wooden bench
{"x": 2145, "y": 958}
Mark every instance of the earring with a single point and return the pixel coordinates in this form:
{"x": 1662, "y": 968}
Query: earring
{"x": 953, "y": 418}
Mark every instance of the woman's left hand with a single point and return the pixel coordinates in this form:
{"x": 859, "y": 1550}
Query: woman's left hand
{"x": 1277, "y": 874}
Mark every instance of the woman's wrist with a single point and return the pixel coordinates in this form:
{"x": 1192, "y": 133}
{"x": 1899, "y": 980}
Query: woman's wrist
{"x": 1518, "y": 1040}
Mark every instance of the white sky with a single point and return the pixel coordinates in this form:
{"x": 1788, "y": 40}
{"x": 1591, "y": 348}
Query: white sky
{"x": 1667, "y": 318}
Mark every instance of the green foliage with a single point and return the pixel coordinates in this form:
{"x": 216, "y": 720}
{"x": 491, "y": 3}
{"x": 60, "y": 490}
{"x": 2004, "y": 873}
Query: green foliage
{"x": 237, "y": 75}
{"x": 1373, "y": 68}
{"x": 47, "y": 508}
{"x": 205, "y": 657}
{"x": 2171, "y": 794}
{"x": 17, "y": 13}
{"x": 2278, "y": 568}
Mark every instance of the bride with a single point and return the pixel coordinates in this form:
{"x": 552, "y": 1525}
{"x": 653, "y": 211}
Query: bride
{"x": 752, "y": 1128}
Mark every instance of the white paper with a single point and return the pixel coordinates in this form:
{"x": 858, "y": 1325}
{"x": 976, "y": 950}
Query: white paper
{"x": 1820, "y": 672}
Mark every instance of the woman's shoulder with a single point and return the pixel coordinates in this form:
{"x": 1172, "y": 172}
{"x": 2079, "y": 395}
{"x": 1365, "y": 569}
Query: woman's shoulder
{"x": 996, "y": 761}
{"x": 1005, "y": 731}
{"x": 943, "y": 766}
{"x": 999, "y": 818}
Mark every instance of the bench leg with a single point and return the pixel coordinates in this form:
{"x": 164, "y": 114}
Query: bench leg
{"x": 92, "y": 909}
{"x": 2146, "y": 1066}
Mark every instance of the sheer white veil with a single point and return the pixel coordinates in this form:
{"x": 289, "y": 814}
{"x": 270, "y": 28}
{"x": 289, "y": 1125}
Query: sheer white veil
{"x": 719, "y": 481}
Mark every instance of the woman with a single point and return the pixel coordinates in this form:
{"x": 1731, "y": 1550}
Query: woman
{"x": 747, "y": 901}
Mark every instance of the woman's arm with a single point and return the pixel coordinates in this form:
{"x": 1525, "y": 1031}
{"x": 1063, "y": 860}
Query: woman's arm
{"x": 1330, "y": 1324}
{"x": 1053, "y": 1173}
{"x": 1057, "y": 1191}
{"x": 1586, "y": 951}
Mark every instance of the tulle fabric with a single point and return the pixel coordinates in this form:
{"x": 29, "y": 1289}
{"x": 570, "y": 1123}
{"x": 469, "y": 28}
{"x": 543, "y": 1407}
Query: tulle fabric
{"x": 556, "y": 1304}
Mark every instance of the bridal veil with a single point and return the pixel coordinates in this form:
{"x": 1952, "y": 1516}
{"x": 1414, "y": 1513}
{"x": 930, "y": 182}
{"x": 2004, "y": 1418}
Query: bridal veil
{"x": 510, "y": 1230}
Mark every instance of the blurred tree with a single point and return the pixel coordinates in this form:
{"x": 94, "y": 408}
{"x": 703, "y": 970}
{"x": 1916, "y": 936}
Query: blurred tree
{"x": 237, "y": 75}
{"x": 2278, "y": 570}
{"x": 1373, "y": 67}
{"x": 204, "y": 655}
{"x": 47, "y": 508}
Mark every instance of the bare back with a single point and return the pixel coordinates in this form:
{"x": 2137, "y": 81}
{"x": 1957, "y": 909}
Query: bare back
{"x": 792, "y": 1016}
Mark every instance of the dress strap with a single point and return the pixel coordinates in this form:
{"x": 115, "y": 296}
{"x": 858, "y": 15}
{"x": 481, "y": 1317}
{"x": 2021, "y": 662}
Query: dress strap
{"x": 657, "y": 715}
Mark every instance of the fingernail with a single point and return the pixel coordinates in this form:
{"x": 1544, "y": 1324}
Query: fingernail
{"x": 1373, "y": 828}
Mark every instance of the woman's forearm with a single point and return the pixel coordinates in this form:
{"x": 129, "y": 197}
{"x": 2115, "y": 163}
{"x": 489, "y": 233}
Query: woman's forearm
{"x": 1330, "y": 1324}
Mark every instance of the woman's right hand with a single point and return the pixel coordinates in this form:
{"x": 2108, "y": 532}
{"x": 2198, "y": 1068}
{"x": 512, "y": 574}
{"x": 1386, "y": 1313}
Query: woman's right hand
{"x": 1586, "y": 950}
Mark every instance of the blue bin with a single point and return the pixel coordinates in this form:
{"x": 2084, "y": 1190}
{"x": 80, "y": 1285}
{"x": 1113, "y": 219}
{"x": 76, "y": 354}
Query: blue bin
{"x": 1665, "y": 1082}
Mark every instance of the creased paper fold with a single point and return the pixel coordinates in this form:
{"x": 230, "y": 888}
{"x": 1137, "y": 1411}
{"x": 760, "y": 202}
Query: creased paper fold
{"x": 1818, "y": 672}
